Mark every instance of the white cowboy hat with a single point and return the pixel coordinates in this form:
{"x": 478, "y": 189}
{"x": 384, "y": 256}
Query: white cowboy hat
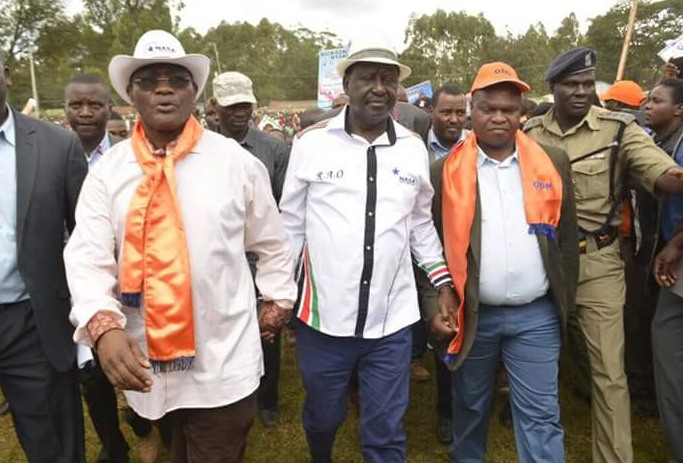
{"x": 372, "y": 50}
{"x": 156, "y": 46}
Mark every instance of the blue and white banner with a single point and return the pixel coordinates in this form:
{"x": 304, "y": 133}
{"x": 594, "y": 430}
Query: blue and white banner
{"x": 673, "y": 49}
{"x": 329, "y": 81}
{"x": 414, "y": 92}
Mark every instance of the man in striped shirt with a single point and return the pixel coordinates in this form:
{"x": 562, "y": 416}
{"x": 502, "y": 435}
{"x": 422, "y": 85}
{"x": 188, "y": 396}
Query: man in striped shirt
{"x": 356, "y": 203}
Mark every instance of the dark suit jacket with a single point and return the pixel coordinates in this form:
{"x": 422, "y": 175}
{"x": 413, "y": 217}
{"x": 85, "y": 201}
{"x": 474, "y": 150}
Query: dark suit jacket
{"x": 561, "y": 259}
{"x": 414, "y": 119}
{"x": 273, "y": 153}
{"x": 51, "y": 167}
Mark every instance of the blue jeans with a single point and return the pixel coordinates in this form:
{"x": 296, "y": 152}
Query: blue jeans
{"x": 326, "y": 363}
{"x": 529, "y": 339}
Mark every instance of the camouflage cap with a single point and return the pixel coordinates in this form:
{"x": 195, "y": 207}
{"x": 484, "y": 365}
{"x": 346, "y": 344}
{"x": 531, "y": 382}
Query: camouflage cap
{"x": 232, "y": 88}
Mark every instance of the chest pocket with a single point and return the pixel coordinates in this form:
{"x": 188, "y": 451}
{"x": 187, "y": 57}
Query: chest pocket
{"x": 591, "y": 179}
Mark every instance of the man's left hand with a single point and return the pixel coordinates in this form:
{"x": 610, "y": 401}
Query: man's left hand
{"x": 271, "y": 319}
{"x": 665, "y": 265}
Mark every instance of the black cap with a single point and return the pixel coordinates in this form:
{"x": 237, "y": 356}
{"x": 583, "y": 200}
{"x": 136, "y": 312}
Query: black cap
{"x": 570, "y": 62}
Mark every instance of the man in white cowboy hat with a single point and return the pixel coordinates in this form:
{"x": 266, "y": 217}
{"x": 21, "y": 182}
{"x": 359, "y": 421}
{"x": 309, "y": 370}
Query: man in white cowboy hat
{"x": 235, "y": 103}
{"x": 157, "y": 266}
{"x": 356, "y": 203}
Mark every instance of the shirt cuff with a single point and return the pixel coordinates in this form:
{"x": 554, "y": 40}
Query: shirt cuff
{"x": 438, "y": 274}
{"x": 285, "y": 303}
{"x": 100, "y": 323}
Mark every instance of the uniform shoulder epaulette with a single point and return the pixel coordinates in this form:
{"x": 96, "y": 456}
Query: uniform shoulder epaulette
{"x": 619, "y": 116}
{"x": 317, "y": 125}
{"x": 533, "y": 122}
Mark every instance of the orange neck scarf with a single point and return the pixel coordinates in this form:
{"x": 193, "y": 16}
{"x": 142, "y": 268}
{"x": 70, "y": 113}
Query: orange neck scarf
{"x": 542, "y": 187}
{"x": 156, "y": 267}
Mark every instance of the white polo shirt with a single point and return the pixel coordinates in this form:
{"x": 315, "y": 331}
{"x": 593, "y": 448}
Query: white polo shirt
{"x": 355, "y": 211}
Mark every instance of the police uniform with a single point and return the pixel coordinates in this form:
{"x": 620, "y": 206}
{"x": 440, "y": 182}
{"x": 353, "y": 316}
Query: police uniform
{"x": 607, "y": 149}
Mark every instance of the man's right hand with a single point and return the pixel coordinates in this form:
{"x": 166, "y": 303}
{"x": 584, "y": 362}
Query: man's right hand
{"x": 123, "y": 362}
{"x": 670, "y": 71}
{"x": 441, "y": 325}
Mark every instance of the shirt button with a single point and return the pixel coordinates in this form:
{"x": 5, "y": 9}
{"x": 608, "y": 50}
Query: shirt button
{"x": 365, "y": 282}
{"x": 367, "y": 248}
{"x": 371, "y": 179}
{"x": 371, "y": 213}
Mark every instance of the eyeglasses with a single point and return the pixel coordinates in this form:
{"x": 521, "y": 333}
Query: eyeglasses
{"x": 152, "y": 82}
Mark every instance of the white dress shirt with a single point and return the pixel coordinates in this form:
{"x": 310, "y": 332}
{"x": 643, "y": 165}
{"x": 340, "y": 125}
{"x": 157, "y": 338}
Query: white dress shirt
{"x": 227, "y": 208}
{"x": 358, "y": 210}
{"x": 512, "y": 270}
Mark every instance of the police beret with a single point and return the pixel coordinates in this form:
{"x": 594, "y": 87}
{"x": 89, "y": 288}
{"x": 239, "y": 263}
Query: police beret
{"x": 570, "y": 62}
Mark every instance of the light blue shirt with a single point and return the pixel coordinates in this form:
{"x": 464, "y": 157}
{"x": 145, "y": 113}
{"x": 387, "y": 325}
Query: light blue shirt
{"x": 102, "y": 148}
{"x": 12, "y": 286}
{"x": 512, "y": 270}
{"x": 437, "y": 148}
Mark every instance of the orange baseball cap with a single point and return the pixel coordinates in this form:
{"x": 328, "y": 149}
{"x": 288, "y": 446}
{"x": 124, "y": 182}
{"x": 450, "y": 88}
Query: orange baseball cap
{"x": 497, "y": 73}
{"x": 625, "y": 91}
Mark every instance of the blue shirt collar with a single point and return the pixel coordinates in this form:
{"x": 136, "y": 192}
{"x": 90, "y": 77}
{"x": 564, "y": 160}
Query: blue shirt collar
{"x": 7, "y": 128}
{"x": 102, "y": 147}
{"x": 435, "y": 144}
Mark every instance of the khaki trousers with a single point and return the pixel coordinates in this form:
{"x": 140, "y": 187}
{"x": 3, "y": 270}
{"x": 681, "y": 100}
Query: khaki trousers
{"x": 600, "y": 317}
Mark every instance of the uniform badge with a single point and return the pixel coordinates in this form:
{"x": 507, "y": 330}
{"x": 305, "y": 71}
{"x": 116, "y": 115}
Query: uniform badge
{"x": 588, "y": 60}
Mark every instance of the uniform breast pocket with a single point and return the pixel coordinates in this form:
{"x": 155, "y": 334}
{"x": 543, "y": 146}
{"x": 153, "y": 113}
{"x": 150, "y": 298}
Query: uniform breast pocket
{"x": 591, "y": 179}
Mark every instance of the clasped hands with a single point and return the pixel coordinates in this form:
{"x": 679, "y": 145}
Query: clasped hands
{"x": 444, "y": 324}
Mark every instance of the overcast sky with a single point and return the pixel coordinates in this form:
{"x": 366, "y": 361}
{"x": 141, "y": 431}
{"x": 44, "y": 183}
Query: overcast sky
{"x": 348, "y": 18}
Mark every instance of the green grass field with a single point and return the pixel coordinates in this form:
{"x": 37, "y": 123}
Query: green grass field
{"x": 287, "y": 443}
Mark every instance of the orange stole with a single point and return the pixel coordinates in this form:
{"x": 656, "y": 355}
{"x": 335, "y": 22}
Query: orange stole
{"x": 542, "y": 187}
{"x": 155, "y": 264}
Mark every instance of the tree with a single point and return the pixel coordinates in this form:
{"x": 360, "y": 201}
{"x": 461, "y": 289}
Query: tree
{"x": 282, "y": 63}
{"x": 448, "y": 47}
{"x": 21, "y": 22}
{"x": 567, "y": 36}
{"x": 530, "y": 55}
{"x": 656, "y": 22}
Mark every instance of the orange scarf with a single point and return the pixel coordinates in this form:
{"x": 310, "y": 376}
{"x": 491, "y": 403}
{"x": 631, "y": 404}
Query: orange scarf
{"x": 542, "y": 187}
{"x": 156, "y": 267}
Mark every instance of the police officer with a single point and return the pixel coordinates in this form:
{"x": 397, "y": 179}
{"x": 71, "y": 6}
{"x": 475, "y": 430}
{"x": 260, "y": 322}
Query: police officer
{"x": 607, "y": 150}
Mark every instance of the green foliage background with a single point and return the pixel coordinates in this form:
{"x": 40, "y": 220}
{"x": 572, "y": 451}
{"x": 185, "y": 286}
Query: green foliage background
{"x": 444, "y": 46}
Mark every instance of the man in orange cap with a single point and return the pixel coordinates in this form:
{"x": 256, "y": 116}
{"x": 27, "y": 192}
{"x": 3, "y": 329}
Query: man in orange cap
{"x": 512, "y": 249}
{"x": 624, "y": 94}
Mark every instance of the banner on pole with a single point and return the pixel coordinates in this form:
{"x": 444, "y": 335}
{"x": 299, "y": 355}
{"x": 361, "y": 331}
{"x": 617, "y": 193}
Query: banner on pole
{"x": 329, "y": 81}
{"x": 673, "y": 49}
{"x": 414, "y": 92}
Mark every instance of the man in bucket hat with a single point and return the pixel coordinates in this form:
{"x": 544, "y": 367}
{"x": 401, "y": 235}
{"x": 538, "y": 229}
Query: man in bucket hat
{"x": 356, "y": 203}
{"x": 157, "y": 265}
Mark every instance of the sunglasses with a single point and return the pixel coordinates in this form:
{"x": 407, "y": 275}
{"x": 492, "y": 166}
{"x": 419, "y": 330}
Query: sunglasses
{"x": 149, "y": 83}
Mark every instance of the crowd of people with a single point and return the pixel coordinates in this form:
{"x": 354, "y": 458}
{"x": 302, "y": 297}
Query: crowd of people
{"x": 165, "y": 261}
